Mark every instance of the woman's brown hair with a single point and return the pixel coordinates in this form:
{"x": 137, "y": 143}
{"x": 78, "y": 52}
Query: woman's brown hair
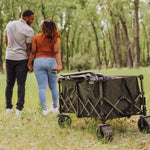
{"x": 50, "y": 30}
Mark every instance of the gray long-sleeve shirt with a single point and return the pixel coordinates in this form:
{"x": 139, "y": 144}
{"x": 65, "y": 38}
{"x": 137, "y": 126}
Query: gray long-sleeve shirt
{"x": 18, "y": 34}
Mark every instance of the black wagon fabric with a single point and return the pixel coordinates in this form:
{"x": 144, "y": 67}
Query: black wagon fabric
{"x": 69, "y": 98}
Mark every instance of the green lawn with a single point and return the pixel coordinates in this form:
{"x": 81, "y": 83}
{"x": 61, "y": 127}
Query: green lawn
{"x": 32, "y": 131}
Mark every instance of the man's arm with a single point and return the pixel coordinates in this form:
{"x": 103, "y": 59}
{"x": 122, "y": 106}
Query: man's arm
{"x": 31, "y": 57}
{"x": 29, "y": 35}
{"x": 28, "y": 48}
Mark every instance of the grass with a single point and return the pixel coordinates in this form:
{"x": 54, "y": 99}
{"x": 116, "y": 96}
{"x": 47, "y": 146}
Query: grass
{"x": 32, "y": 131}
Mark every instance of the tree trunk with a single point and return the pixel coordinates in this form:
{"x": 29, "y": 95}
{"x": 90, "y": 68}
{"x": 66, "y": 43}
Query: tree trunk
{"x": 104, "y": 50}
{"x": 136, "y": 62}
{"x": 127, "y": 43}
{"x": 97, "y": 45}
{"x": 73, "y": 42}
{"x": 43, "y": 9}
{"x": 13, "y": 9}
{"x": 117, "y": 41}
{"x": 78, "y": 42}
{"x": 1, "y": 41}
{"x": 62, "y": 51}
{"x": 147, "y": 44}
{"x": 113, "y": 61}
{"x": 67, "y": 47}
{"x": 118, "y": 48}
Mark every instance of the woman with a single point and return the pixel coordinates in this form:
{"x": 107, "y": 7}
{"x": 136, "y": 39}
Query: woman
{"x": 46, "y": 55}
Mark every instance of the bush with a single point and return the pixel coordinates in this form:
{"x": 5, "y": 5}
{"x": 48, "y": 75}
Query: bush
{"x": 81, "y": 62}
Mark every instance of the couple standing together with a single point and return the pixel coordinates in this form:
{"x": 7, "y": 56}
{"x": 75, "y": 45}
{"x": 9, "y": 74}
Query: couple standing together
{"x": 26, "y": 52}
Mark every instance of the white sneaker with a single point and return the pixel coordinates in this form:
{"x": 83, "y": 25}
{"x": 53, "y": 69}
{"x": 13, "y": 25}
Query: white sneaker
{"x": 18, "y": 112}
{"x": 53, "y": 110}
{"x": 44, "y": 112}
{"x": 8, "y": 110}
{"x": 50, "y": 110}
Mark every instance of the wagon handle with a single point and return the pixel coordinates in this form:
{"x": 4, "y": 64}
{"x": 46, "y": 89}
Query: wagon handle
{"x": 72, "y": 75}
{"x": 79, "y": 73}
{"x": 102, "y": 75}
{"x": 84, "y": 74}
{"x": 76, "y": 77}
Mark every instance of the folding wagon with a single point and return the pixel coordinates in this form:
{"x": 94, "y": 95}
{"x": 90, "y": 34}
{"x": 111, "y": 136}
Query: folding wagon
{"x": 104, "y": 97}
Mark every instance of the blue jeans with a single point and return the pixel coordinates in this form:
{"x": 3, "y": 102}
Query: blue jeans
{"x": 45, "y": 78}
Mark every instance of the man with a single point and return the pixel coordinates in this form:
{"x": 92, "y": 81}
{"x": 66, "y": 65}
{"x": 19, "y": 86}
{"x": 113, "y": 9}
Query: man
{"x": 18, "y": 39}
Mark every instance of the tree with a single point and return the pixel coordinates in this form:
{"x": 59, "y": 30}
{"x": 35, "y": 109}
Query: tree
{"x": 105, "y": 30}
{"x": 116, "y": 25}
{"x": 1, "y": 39}
{"x": 136, "y": 62}
{"x": 127, "y": 41}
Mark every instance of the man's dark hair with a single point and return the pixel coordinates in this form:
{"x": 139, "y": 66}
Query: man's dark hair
{"x": 27, "y": 13}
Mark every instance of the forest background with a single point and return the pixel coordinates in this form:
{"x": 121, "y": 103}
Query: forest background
{"x": 95, "y": 34}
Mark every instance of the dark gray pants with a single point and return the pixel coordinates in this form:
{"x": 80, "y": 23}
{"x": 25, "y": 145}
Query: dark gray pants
{"x": 16, "y": 70}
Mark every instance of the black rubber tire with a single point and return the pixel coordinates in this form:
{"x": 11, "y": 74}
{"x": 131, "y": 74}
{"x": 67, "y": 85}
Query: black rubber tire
{"x": 104, "y": 132}
{"x": 64, "y": 121}
{"x": 145, "y": 127}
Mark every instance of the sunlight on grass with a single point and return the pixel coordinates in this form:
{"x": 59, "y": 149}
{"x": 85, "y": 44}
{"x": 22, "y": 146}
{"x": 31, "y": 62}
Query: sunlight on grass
{"x": 36, "y": 132}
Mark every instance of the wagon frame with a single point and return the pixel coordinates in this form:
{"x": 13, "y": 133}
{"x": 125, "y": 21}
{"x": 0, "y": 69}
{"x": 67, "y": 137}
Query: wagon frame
{"x": 89, "y": 94}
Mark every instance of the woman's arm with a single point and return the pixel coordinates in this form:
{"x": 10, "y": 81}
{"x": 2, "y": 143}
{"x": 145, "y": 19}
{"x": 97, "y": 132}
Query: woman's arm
{"x": 58, "y": 55}
{"x": 6, "y": 40}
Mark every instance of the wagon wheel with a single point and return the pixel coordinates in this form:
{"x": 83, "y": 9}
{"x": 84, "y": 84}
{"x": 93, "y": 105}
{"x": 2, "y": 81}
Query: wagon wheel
{"x": 144, "y": 124}
{"x": 104, "y": 131}
{"x": 64, "y": 121}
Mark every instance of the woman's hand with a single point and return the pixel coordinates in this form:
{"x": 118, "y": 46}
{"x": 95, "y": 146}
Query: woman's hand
{"x": 30, "y": 67}
{"x": 58, "y": 68}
